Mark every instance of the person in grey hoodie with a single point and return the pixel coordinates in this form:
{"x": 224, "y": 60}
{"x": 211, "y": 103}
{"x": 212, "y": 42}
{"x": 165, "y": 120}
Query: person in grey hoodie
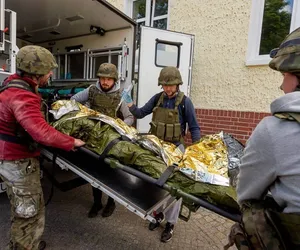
{"x": 105, "y": 97}
{"x": 271, "y": 160}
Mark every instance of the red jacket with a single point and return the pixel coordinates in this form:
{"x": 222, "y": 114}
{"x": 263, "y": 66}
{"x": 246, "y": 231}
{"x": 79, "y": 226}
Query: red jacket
{"x": 23, "y": 107}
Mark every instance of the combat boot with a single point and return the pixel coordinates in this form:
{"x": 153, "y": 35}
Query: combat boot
{"x": 167, "y": 234}
{"x": 109, "y": 208}
{"x": 159, "y": 218}
{"x": 94, "y": 210}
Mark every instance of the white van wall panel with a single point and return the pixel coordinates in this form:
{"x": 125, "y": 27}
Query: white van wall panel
{"x": 109, "y": 40}
{"x": 95, "y": 41}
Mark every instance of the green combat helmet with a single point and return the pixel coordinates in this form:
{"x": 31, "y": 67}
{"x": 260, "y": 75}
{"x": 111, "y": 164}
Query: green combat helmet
{"x": 108, "y": 70}
{"x": 35, "y": 60}
{"x": 169, "y": 76}
{"x": 286, "y": 58}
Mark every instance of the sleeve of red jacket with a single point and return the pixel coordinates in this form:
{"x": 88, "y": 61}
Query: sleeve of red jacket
{"x": 26, "y": 109}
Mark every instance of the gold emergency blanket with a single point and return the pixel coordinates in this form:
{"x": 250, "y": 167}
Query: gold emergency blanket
{"x": 205, "y": 161}
{"x": 202, "y": 169}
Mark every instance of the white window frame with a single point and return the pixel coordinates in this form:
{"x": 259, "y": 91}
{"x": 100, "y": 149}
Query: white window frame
{"x": 103, "y": 52}
{"x": 159, "y": 17}
{"x": 128, "y": 4}
{"x": 56, "y": 75}
{"x": 254, "y": 36}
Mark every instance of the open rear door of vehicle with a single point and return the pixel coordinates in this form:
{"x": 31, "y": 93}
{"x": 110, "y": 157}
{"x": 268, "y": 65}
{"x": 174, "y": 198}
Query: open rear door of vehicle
{"x": 160, "y": 48}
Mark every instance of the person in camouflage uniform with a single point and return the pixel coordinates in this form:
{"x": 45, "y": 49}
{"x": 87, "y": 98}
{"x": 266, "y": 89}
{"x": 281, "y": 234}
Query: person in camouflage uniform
{"x": 271, "y": 163}
{"x": 21, "y": 125}
{"x": 172, "y": 112}
{"x": 104, "y": 97}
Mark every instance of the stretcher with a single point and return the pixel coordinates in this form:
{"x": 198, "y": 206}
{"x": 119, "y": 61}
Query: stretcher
{"x": 138, "y": 192}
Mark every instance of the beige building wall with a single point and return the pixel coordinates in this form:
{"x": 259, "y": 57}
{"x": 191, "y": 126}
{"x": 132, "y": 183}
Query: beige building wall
{"x": 221, "y": 80}
{"x": 118, "y": 4}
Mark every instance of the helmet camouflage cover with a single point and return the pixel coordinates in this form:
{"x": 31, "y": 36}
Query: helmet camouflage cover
{"x": 35, "y": 60}
{"x": 286, "y": 58}
{"x": 169, "y": 76}
{"x": 108, "y": 70}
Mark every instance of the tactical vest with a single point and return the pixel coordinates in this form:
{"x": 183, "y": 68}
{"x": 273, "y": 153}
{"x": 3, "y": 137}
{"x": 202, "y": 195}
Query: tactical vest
{"x": 17, "y": 83}
{"x": 105, "y": 103}
{"x": 165, "y": 122}
{"x": 21, "y": 136}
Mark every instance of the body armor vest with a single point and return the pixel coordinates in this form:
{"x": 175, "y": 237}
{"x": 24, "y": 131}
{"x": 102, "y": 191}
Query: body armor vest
{"x": 17, "y": 83}
{"x": 105, "y": 103}
{"x": 165, "y": 122}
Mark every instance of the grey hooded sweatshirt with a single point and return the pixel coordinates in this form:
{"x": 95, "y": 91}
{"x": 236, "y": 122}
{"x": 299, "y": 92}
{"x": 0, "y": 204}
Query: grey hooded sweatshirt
{"x": 271, "y": 160}
{"x": 83, "y": 97}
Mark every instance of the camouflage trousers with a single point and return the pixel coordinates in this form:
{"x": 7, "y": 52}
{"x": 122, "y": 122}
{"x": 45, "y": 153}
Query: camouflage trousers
{"x": 22, "y": 179}
{"x": 256, "y": 231}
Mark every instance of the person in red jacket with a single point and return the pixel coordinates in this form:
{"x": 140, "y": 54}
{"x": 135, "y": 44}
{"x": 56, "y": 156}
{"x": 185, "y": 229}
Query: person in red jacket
{"x": 22, "y": 126}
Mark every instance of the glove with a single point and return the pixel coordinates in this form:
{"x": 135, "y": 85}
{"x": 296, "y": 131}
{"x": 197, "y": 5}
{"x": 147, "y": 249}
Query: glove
{"x": 126, "y": 97}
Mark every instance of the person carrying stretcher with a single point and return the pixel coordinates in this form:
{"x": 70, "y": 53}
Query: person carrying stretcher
{"x": 172, "y": 112}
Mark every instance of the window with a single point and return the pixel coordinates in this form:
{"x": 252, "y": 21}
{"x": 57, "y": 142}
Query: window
{"x": 271, "y": 21}
{"x": 114, "y": 59}
{"x": 160, "y": 14}
{"x": 85, "y": 64}
{"x": 97, "y": 57}
{"x": 75, "y": 66}
{"x": 97, "y": 61}
{"x": 71, "y": 65}
{"x": 139, "y": 10}
{"x": 61, "y": 67}
{"x": 152, "y": 13}
{"x": 167, "y": 53}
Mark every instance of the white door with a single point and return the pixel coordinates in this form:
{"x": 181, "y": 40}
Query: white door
{"x": 159, "y": 48}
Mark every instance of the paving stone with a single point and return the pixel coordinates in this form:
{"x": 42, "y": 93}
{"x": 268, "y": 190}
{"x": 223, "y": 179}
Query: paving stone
{"x": 67, "y": 226}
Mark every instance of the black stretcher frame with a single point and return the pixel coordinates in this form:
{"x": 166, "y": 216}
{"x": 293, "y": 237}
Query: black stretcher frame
{"x": 154, "y": 188}
{"x": 199, "y": 201}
